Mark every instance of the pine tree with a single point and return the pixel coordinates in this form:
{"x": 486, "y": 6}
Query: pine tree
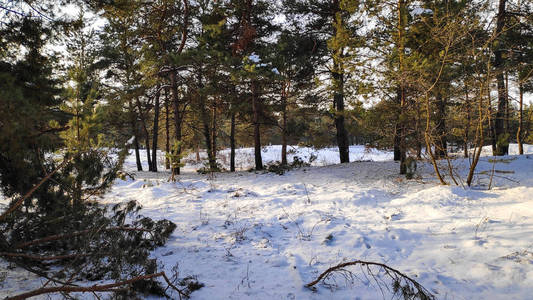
{"x": 293, "y": 59}
{"x": 28, "y": 100}
{"x": 331, "y": 22}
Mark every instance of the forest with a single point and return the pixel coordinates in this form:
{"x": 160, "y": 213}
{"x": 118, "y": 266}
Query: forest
{"x": 210, "y": 148}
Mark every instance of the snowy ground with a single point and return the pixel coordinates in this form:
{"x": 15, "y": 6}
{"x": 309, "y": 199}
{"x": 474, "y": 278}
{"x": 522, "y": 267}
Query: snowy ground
{"x": 270, "y": 154}
{"x": 250, "y": 235}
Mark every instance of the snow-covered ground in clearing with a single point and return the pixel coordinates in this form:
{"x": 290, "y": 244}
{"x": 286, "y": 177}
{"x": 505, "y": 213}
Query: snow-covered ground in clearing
{"x": 254, "y": 235}
{"x": 244, "y": 157}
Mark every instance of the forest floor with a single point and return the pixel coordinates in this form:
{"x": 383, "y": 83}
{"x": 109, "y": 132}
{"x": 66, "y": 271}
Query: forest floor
{"x": 256, "y": 235}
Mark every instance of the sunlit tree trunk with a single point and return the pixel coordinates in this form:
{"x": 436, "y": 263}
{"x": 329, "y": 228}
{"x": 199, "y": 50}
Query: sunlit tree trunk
{"x": 501, "y": 136}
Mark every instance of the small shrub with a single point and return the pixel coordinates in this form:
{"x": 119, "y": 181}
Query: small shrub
{"x": 280, "y": 168}
{"x": 206, "y": 169}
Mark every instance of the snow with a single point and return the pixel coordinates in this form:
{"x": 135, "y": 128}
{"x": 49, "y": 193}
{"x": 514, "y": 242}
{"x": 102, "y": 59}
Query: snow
{"x": 270, "y": 154}
{"x": 255, "y": 235}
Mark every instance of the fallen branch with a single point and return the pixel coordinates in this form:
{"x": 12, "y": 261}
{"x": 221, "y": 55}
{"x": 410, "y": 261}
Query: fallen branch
{"x": 42, "y": 258}
{"x": 421, "y": 292}
{"x": 77, "y": 233}
{"x": 95, "y": 288}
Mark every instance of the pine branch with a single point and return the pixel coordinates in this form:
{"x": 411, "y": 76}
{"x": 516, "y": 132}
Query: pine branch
{"x": 42, "y": 258}
{"x": 94, "y": 288}
{"x": 77, "y": 233}
{"x": 32, "y": 190}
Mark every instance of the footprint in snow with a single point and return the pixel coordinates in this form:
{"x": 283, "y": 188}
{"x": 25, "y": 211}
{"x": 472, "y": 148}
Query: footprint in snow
{"x": 277, "y": 262}
{"x": 362, "y": 241}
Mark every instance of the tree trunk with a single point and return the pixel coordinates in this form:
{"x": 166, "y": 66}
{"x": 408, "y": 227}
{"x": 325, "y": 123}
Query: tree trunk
{"x": 148, "y": 156}
{"x": 502, "y": 138}
{"x": 146, "y": 134}
{"x": 479, "y": 137}
{"x": 257, "y": 133}
{"x": 492, "y": 130}
{"x": 427, "y": 138}
{"x": 507, "y": 106}
{"x": 232, "y": 142}
{"x": 133, "y": 124}
{"x": 440, "y": 144}
{"x": 338, "y": 102}
{"x": 401, "y": 131}
{"x": 468, "y": 122}
{"x": 520, "y": 118}
{"x": 401, "y": 91}
{"x": 284, "y": 126}
{"x": 204, "y": 116}
{"x": 338, "y": 87}
{"x": 167, "y": 131}
{"x": 214, "y": 128}
{"x": 177, "y": 118}
{"x": 156, "y": 132}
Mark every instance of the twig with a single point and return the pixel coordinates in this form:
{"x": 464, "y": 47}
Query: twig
{"x": 33, "y": 189}
{"x": 388, "y": 270}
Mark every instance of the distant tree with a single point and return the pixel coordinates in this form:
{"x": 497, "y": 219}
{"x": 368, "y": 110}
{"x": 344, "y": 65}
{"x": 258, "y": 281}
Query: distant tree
{"x": 293, "y": 57}
{"x": 336, "y": 32}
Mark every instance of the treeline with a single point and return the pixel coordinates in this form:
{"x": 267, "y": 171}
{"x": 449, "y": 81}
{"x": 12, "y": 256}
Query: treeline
{"x": 409, "y": 75}
{"x": 419, "y": 77}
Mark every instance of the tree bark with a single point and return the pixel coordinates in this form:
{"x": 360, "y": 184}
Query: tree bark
{"x": 137, "y": 154}
{"x": 232, "y": 142}
{"x": 284, "y": 125}
{"x": 507, "y": 105}
{"x": 401, "y": 131}
{"x": 167, "y": 130}
{"x": 338, "y": 94}
{"x": 342, "y": 137}
{"x": 520, "y": 118}
{"x": 491, "y": 128}
{"x": 401, "y": 89}
{"x": 502, "y": 138}
{"x": 257, "y": 133}
{"x": 214, "y": 128}
{"x": 468, "y": 123}
{"x": 148, "y": 157}
{"x": 156, "y": 131}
